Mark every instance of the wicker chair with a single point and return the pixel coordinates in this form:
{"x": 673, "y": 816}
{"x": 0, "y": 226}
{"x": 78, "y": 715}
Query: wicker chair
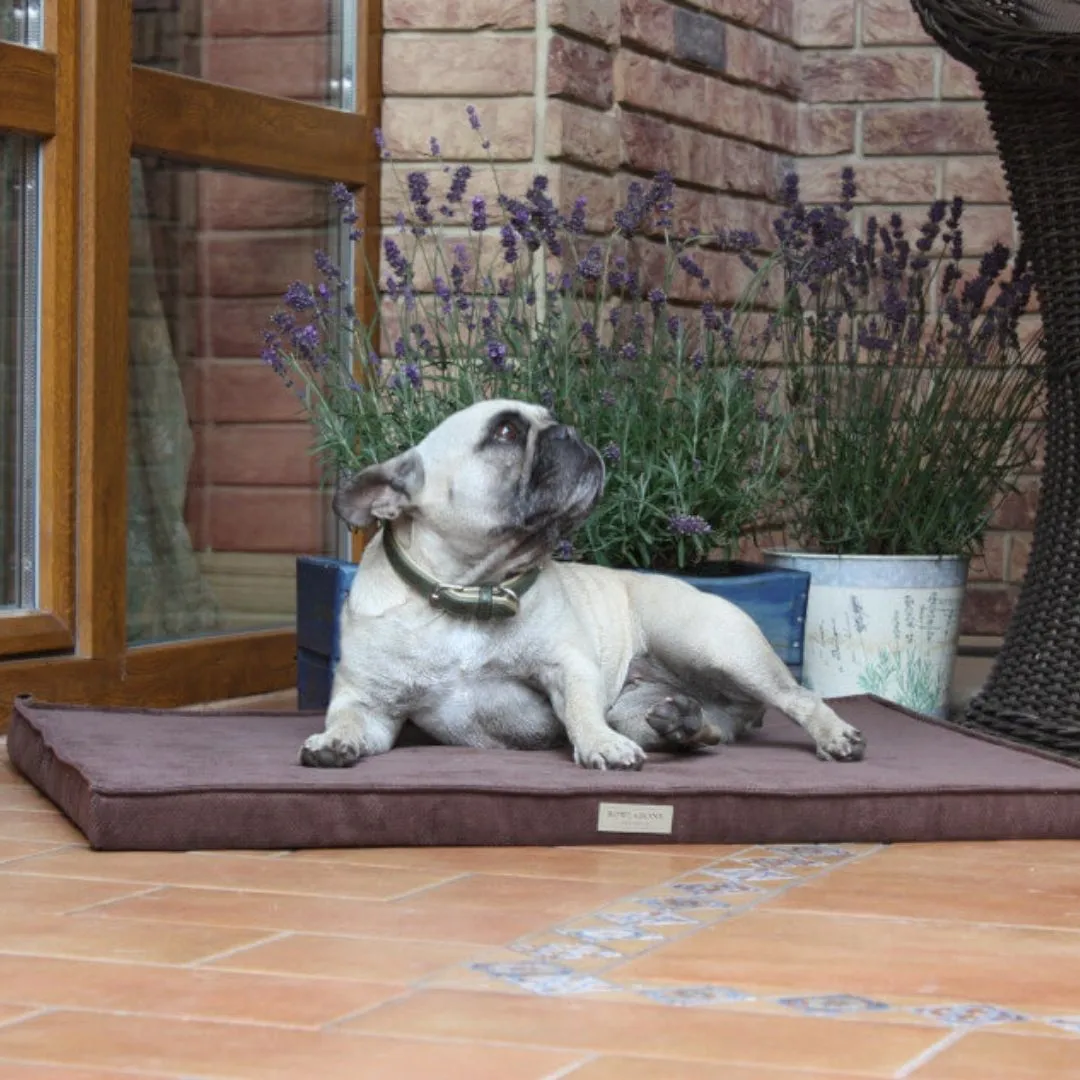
{"x": 1026, "y": 54}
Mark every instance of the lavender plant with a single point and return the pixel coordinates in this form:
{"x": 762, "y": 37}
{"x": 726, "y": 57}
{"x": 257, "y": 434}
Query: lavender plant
{"x": 911, "y": 395}
{"x": 515, "y": 299}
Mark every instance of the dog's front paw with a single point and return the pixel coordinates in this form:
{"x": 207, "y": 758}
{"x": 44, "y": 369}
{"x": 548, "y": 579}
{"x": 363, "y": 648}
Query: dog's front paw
{"x": 331, "y": 750}
{"x": 609, "y": 750}
{"x": 843, "y": 743}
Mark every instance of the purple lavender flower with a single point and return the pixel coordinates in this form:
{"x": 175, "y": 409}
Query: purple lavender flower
{"x": 412, "y": 373}
{"x": 474, "y": 119}
{"x": 496, "y": 352}
{"x": 433, "y": 145}
{"x": 847, "y": 188}
{"x": 607, "y": 398}
{"x": 611, "y": 453}
{"x": 697, "y": 361}
{"x": 283, "y": 320}
{"x": 694, "y": 269}
{"x": 479, "y": 220}
{"x": 272, "y": 355}
{"x": 380, "y": 142}
{"x": 591, "y": 267}
{"x": 674, "y": 326}
{"x": 657, "y": 298}
{"x": 564, "y": 551}
{"x": 508, "y": 239}
{"x": 547, "y": 398}
{"x": 327, "y": 267}
{"x": 306, "y": 340}
{"x": 298, "y": 296}
{"x": 418, "y": 184}
{"x": 588, "y": 332}
{"x": 688, "y": 525}
{"x": 459, "y": 183}
{"x": 576, "y": 221}
{"x": 396, "y": 260}
{"x": 442, "y": 290}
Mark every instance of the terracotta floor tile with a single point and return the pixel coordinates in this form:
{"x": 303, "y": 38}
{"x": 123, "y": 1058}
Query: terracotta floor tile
{"x": 21, "y": 796}
{"x": 627, "y": 1068}
{"x": 190, "y": 993}
{"x": 625, "y": 868}
{"x": 10, "y": 1012}
{"x": 380, "y": 960}
{"x": 325, "y": 915}
{"x": 1002, "y": 887}
{"x": 706, "y": 852}
{"x": 21, "y": 849}
{"x": 683, "y": 1034}
{"x": 988, "y": 1055}
{"x": 32, "y": 825}
{"x": 1002, "y": 853}
{"x": 30, "y": 894}
{"x": 806, "y": 952}
{"x": 229, "y": 872}
{"x": 11, "y": 1070}
{"x": 244, "y": 1052}
{"x": 559, "y": 897}
{"x": 148, "y": 943}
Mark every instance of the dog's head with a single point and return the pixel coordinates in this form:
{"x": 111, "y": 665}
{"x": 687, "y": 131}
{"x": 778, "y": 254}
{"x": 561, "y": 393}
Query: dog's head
{"x": 499, "y": 474}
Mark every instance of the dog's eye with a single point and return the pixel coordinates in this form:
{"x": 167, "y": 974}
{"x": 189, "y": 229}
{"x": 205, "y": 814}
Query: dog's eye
{"x": 506, "y": 433}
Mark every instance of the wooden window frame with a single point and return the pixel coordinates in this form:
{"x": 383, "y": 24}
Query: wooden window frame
{"x": 93, "y": 108}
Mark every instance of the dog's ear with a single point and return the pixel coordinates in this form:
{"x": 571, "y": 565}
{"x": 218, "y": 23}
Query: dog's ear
{"x": 380, "y": 492}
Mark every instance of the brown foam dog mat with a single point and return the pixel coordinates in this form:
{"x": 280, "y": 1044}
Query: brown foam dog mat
{"x": 169, "y": 780}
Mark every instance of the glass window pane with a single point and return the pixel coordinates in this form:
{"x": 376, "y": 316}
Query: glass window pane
{"x": 18, "y": 369}
{"x": 223, "y": 489}
{"x": 302, "y": 49}
{"x": 20, "y": 21}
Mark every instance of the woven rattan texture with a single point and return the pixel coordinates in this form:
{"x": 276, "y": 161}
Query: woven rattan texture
{"x": 1026, "y": 54}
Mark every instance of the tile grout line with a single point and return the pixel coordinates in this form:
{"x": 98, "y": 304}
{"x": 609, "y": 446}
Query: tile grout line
{"x": 421, "y": 889}
{"x": 930, "y": 1053}
{"x": 569, "y": 1070}
{"x": 139, "y": 894}
{"x": 195, "y": 965}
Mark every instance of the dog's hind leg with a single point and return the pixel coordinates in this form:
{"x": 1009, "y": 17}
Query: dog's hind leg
{"x": 707, "y": 642}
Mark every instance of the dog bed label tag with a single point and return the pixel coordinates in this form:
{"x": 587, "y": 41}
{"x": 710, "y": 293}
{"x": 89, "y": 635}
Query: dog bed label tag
{"x": 635, "y": 818}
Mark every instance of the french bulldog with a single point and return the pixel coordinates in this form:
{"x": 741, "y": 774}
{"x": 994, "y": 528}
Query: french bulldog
{"x": 460, "y": 620}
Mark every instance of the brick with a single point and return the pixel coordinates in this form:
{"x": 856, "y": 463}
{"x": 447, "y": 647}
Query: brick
{"x": 246, "y": 392}
{"x": 878, "y": 76}
{"x": 1017, "y": 509}
{"x": 262, "y": 18}
{"x": 408, "y": 125}
{"x": 576, "y": 133}
{"x": 650, "y": 23}
{"x": 599, "y": 192}
{"x": 283, "y": 67}
{"x": 977, "y": 179}
{"x": 699, "y": 39}
{"x": 272, "y": 455}
{"x": 982, "y": 226}
{"x": 649, "y": 143}
{"x": 268, "y": 519}
{"x": 761, "y": 60}
{"x": 986, "y": 611}
{"x": 825, "y": 23}
{"x": 826, "y": 129}
{"x": 775, "y": 17}
{"x": 1019, "y": 557}
{"x": 989, "y": 564}
{"x": 891, "y": 22}
{"x": 742, "y": 167}
{"x": 457, "y": 14}
{"x": 231, "y": 201}
{"x": 579, "y": 71}
{"x": 749, "y": 113}
{"x": 876, "y": 181}
{"x": 231, "y": 328}
{"x": 922, "y": 129}
{"x": 958, "y": 80}
{"x": 253, "y": 265}
{"x": 596, "y": 19}
{"x": 652, "y": 84}
{"x": 458, "y": 64}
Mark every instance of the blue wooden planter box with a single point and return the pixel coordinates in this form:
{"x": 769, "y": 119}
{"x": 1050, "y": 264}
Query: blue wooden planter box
{"x": 773, "y": 597}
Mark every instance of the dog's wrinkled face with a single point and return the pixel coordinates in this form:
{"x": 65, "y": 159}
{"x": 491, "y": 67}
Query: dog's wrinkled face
{"x": 499, "y": 473}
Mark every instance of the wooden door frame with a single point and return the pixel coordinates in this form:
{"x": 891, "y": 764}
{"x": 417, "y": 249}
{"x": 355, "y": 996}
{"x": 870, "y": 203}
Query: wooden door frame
{"x": 82, "y": 95}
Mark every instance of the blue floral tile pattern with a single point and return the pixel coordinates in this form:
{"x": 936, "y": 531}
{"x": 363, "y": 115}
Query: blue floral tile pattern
{"x": 545, "y": 979}
{"x": 686, "y": 996}
{"x": 557, "y": 950}
{"x": 1064, "y": 1023}
{"x": 832, "y": 1004}
{"x": 972, "y": 1015}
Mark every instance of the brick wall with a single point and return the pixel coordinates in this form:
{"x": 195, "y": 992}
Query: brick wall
{"x": 725, "y": 94}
